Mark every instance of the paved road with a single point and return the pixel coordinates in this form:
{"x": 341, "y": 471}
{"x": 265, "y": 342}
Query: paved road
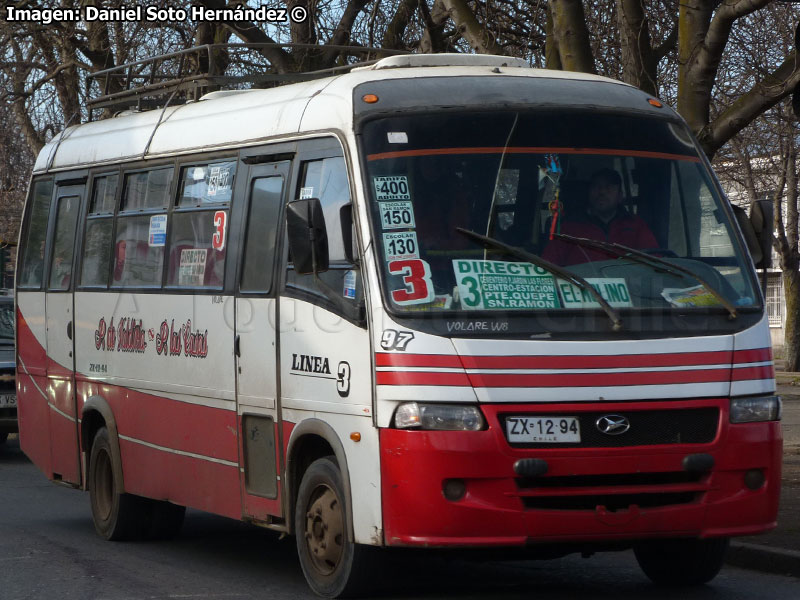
{"x": 48, "y": 549}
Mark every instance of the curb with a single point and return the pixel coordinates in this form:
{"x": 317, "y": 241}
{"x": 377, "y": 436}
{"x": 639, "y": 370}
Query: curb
{"x": 764, "y": 558}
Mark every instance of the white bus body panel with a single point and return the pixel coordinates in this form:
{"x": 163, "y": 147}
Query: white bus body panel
{"x": 233, "y": 120}
{"x": 32, "y": 307}
{"x": 326, "y": 373}
{"x": 755, "y": 337}
{"x": 167, "y": 322}
{"x": 255, "y": 325}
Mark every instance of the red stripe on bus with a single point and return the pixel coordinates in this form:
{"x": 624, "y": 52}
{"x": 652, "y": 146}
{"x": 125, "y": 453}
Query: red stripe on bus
{"x": 678, "y": 359}
{"x": 527, "y": 150}
{"x": 565, "y": 380}
{"x": 421, "y": 378}
{"x": 750, "y": 373}
{"x": 385, "y": 359}
{"x": 600, "y": 379}
{"x": 752, "y": 355}
{"x": 597, "y": 361}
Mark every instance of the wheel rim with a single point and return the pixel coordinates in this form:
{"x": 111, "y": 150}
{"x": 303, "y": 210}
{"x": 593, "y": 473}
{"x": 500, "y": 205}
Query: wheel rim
{"x": 324, "y": 529}
{"x": 104, "y": 486}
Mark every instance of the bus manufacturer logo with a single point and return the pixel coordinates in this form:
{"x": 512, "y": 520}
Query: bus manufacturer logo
{"x": 613, "y": 424}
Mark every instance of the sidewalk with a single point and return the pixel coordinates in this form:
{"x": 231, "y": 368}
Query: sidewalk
{"x": 779, "y": 550}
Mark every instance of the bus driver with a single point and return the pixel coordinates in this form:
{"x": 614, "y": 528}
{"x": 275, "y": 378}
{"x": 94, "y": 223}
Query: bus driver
{"x": 606, "y": 220}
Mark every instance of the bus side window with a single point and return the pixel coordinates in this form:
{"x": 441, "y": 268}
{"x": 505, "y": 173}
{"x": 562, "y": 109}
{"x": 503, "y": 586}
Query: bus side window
{"x": 64, "y": 242}
{"x": 141, "y": 228}
{"x": 195, "y": 259}
{"x": 265, "y": 204}
{"x": 97, "y": 242}
{"x": 198, "y": 238}
{"x": 326, "y": 179}
{"x": 32, "y": 262}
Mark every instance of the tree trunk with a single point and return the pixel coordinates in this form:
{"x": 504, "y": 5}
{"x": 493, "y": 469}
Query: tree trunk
{"x": 569, "y": 26}
{"x": 552, "y": 58}
{"x": 638, "y": 60}
{"x": 791, "y": 287}
{"x": 693, "y": 95}
{"x": 249, "y": 32}
{"x": 791, "y": 263}
{"x": 19, "y": 106}
{"x": 343, "y": 32}
{"x": 212, "y": 33}
{"x": 304, "y": 33}
{"x": 478, "y": 36}
{"x": 435, "y": 19}
{"x": 393, "y": 35}
{"x": 765, "y": 94}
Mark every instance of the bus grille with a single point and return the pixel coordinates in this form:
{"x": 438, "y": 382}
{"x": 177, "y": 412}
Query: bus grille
{"x": 648, "y": 428}
{"x": 613, "y": 491}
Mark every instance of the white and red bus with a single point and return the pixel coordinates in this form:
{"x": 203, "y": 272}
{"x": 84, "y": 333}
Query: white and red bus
{"x": 387, "y": 309}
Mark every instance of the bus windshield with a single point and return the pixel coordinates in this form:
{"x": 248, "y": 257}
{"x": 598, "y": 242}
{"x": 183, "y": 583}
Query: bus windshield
{"x": 572, "y": 188}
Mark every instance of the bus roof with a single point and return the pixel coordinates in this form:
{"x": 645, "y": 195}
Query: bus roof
{"x": 233, "y": 119}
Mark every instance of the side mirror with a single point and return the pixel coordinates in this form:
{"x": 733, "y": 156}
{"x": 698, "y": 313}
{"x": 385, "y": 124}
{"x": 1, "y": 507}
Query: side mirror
{"x": 749, "y": 233}
{"x": 763, "y": 220}
{"x": 346, "y": 220}
{"x": 308, "y": 237}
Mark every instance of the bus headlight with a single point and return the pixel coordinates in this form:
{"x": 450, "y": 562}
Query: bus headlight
{"x": 443, "y": 417}
{"x": 753, "y": 409}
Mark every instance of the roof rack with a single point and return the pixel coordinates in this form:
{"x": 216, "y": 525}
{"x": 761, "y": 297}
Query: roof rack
{"x": 187, "y": 75}
{"x": 445, "y": 60}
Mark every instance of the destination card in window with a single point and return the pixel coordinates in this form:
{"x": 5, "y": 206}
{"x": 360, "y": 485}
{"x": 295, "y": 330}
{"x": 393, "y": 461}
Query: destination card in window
{"x": 613, "y": 290}
{"x": 499, "y": 285}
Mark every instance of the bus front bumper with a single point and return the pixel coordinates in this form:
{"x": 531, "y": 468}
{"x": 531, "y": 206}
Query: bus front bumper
{"x": 460, "y": 489}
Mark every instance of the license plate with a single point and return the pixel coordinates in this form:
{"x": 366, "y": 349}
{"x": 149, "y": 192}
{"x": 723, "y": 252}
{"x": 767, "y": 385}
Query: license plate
{"x": 538, "y": 430}
{"x": 8, "y": 399}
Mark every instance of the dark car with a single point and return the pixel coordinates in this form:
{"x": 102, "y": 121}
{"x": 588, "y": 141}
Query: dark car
{"x": 8, "y": 393}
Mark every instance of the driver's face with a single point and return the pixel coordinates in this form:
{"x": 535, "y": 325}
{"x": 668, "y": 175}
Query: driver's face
{"x": 604, "y": 196}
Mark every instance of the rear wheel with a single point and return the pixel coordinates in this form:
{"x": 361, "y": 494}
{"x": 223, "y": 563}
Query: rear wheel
{"x": 3, "y": 438}
{"x": 116, "y": 516}
{"x": 682, "y": 562}
{"x": 333, "y": 566}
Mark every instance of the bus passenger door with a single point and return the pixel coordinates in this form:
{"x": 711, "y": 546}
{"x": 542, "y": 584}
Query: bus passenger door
{"x": 255, "y": 344}
{"x": 59, "y": 312}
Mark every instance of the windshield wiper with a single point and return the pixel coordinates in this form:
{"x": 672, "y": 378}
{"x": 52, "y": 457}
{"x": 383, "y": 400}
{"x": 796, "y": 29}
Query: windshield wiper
{"x": 616, "y": 322}
{"x": 623, "y": 251}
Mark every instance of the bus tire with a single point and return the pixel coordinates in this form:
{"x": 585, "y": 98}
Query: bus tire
{"x": 677, "y": 563}
{"x": 333, "y": 566}
{"x": 117, "y": 516}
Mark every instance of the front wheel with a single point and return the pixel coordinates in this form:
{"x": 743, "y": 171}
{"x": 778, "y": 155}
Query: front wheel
{"x": 682, "y": 562}
{"x": 333, "y": 566}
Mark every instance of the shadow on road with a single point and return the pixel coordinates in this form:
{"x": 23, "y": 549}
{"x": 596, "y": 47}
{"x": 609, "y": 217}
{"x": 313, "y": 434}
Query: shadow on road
{"x": 10, "y": 451}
